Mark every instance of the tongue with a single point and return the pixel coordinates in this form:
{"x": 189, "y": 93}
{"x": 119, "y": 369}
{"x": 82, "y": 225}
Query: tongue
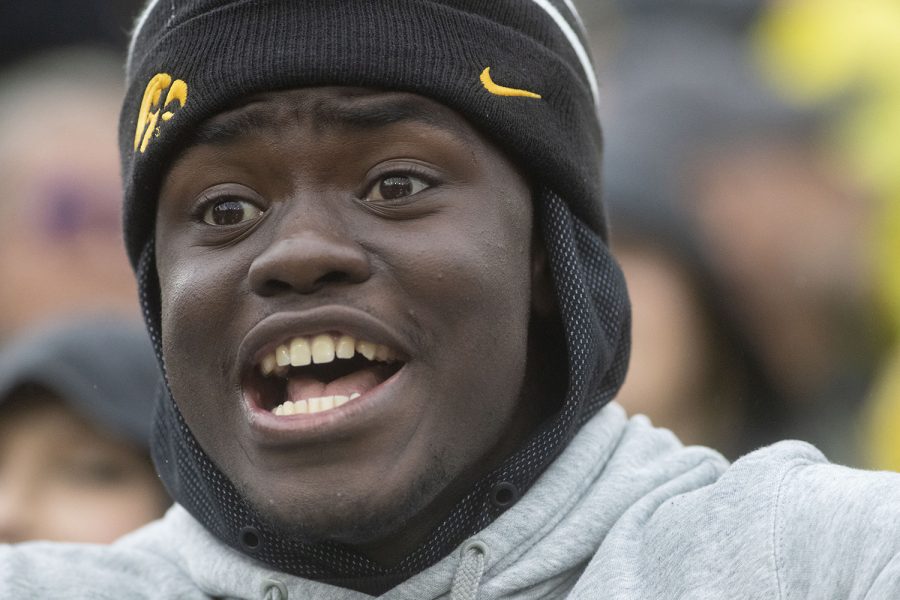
{"x": 303, "y": 387}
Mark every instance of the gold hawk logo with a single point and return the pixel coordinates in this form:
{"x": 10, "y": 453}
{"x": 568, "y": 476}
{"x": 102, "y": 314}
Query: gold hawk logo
{"x": 148, "y": 119}
{"x": 499, "y": 90}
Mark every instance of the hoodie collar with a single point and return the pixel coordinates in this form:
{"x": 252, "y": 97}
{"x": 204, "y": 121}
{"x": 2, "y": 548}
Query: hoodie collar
{"x": 522, "y": 548}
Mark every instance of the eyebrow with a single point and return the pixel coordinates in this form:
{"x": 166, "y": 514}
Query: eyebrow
{"x": 258, "y": 118}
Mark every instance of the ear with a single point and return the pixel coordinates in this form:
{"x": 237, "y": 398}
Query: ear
{"x": 543, "y": 297}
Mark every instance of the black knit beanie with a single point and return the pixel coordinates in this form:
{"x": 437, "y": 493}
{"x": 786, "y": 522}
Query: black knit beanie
{"x": 518, "y": 70}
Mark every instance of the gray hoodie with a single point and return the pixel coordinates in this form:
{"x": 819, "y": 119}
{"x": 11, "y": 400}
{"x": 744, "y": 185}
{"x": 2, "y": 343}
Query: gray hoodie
{"x": 626, "y": 512}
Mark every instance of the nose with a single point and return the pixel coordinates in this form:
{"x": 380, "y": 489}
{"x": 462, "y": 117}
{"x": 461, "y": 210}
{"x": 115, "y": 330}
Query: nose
{"x": 308, "y": 254}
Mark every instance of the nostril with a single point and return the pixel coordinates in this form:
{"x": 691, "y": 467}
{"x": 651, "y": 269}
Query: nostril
{"x": 333, "y": 277}
{"x": 273, "y": 287}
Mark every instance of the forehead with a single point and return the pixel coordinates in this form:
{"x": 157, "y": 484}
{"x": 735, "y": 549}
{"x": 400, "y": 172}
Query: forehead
{"x": 331, "y": 108}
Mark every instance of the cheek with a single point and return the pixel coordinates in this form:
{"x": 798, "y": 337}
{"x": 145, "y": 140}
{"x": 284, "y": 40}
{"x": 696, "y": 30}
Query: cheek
{"x": 198, "y": 306}
{"x": 469, "y": 283}
{"x": 477, "y": 272}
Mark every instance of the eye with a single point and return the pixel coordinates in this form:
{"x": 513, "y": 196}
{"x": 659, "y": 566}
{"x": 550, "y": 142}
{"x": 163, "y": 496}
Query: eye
{"x": 231, "y": 211}
{"x": 396, "y": 186}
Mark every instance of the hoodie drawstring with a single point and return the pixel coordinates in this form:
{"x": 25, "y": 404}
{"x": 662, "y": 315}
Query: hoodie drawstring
{"x": 469, "y": 572}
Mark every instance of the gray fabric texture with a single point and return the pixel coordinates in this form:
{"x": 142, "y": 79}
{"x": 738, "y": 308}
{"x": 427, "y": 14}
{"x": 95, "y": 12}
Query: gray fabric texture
{"x": 626, "y": 512}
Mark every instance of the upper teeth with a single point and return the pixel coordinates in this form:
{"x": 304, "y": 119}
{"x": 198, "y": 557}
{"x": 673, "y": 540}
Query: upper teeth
{"x": 320, "y": 349}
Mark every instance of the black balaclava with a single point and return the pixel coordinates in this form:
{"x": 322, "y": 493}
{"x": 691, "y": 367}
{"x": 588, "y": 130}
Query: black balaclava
{"x": 518, "y": 70}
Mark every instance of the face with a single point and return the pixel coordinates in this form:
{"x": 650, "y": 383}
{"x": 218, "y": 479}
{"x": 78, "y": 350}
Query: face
{"x": 60, "y": 220}
{"x": 62, "y": 479}
{"x": 346, "y": 282}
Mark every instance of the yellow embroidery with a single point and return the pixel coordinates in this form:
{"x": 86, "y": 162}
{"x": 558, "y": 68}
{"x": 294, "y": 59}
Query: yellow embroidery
{"x": 148, "y": 118}
{"x": 499, "y": 90}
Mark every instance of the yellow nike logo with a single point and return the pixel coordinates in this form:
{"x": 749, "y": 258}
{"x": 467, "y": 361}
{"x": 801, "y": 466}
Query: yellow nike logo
{"x": 499, "y": 90}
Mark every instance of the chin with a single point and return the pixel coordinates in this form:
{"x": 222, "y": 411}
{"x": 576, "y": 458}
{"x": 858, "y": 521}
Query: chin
{"x": 358, "y": 516}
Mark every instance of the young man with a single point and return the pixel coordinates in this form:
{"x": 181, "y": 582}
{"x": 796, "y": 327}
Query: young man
{"x": 370, "y": 249}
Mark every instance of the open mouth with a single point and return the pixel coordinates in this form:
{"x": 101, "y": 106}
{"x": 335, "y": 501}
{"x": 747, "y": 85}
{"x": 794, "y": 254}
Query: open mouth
{"x": 309, "y": 375}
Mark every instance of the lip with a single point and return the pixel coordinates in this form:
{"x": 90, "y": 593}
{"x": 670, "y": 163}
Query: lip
{"x": 373, "y": 407}
{"x": 281, "y": 327}
{"x": 268, "y": 429}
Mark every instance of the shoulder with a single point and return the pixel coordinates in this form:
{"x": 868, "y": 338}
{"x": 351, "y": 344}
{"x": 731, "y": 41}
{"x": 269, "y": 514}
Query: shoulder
{"x": 53, "y": 570}
{"x": 781, "y": 522}
{"x": 174, "y": 557}
{"x": 808, "y": 496}
{"x": 712, "y": 539}
{"x": 133, "y": 568}
{"x": 835, "y": 529}
{"x": 808, "y": 527}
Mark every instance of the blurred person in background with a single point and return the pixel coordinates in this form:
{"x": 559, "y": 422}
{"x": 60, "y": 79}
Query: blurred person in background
{"x": 75, "y": 410}
{"x": 845, "y": 53}
{"x": 693, "y": 367}
{"x": 74, "y": 399}
{"x": 696, "y": 139}
{"x": 60, "y": 246}
{"x": 60, "y": 85}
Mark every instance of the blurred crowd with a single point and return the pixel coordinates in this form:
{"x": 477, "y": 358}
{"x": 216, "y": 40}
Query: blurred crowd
{"x": 747, "y": 231}
{"x": 77, "y": 372}
{"x": 752, "y": 177}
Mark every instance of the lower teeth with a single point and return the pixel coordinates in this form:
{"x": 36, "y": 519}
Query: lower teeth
{"x": 313, "y": 405}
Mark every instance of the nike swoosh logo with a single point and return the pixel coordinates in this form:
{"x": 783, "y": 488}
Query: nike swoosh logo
{"x": 499, "y": 90}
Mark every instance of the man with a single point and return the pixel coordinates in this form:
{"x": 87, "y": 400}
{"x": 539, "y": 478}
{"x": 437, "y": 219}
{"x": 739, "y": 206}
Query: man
{"x": 370, "y": 249}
